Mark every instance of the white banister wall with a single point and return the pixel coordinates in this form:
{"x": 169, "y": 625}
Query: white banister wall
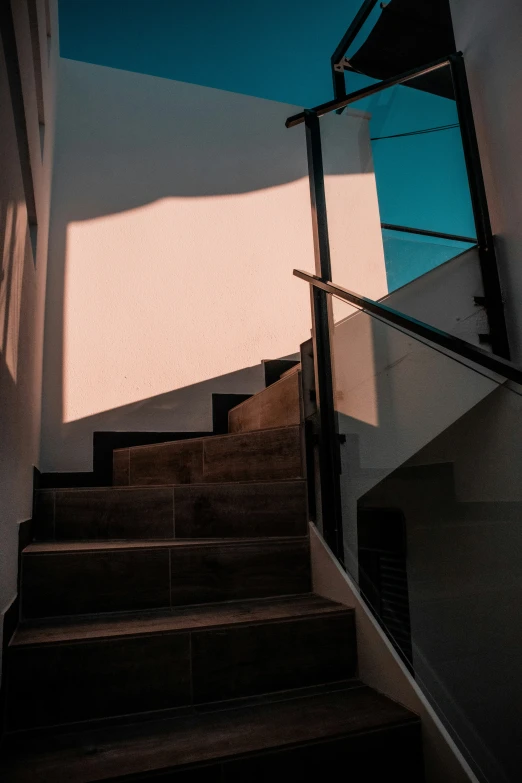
{"x": 178, "y": 215}
{"x": 22, "y": 280}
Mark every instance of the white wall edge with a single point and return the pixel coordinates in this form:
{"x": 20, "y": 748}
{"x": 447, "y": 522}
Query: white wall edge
{"x": 444, "y": 761}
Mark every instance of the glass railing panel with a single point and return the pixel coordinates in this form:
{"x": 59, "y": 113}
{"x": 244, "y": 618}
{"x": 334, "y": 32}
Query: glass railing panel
{"x": 396, "y": 158}
{"x": 408, "y": 256}
{"x": 432, "y": 522}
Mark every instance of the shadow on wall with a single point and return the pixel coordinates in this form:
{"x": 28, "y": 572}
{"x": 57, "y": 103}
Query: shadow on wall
{"x": 178, "y": 215}
{"x": 166, "y": 412}
{"x": 145, "y": 138}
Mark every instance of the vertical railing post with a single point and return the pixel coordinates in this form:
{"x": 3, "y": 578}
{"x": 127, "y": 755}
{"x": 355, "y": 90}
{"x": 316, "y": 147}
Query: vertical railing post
{"x": 348, "y": 38}
{"x": 486, "y": 246}
{"x": 328, "y": 446}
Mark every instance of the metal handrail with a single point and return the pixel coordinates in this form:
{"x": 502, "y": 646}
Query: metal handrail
{"x": 426, "y": 233}
{"x": 417, "y": 328}
{"x": 493, "y": 303}
{"x": 365, "y": 92}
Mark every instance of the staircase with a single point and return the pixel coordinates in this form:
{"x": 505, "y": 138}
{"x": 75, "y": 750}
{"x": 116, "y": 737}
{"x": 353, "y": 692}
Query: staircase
{"x": 168, "y": 630}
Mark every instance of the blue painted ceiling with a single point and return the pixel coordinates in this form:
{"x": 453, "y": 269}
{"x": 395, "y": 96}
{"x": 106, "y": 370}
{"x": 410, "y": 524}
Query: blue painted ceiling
{"x": 277, "y": 49}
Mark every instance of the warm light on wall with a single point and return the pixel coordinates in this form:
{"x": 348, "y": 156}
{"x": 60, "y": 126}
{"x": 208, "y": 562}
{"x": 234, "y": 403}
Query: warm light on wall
{"x": 14, "y": 246}
{"x": 174, "y": 235}
{"x": 180, "y": 291}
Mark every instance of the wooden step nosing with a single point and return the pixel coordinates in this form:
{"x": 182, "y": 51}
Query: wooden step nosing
{"x": 192, "y": 710}
{"x": 137, "y": 545}
{"x": 230, "y": 754}
{"x": 281, "y": 696}
{"x": 209, "y": 437}
{"x": 156, "y": 487}
{"x": 318, "y": 614}
{"x": 159, "y": 608}
{"x": 122, "y": 614}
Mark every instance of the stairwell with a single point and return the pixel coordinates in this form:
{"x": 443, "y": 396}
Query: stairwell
{"x": 168, "y": 630}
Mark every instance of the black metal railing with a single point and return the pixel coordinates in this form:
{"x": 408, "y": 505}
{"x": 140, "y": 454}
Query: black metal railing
{"x": 464, "y": 548}
{"x": 328, "y": 435}
{"x": 345, "y": 43}
{"x": 350, "y": 455}
{"x": 321, "y": 285}
{"x": 327, "y": 442}
{"x": 493, "y": 300}
{"x": 341, "y": 103}
{"x": 416, "y": 328}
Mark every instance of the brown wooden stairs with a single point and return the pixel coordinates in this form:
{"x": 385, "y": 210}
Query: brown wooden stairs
{"x": 168, "y": 630}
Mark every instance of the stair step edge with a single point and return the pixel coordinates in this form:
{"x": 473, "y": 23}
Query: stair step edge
{"x": 209, "y": 437}
{"x": 210, "y": 736}
{"x": 108, "y": 545}
{"x": 39, "y": 633}
{"x": 163, "y": 487}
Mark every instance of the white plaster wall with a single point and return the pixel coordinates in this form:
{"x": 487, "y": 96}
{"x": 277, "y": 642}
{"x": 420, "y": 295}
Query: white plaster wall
{"x": 489, "y": 34}
{"x": 178, "y": 215}
{"x": 22, "y": 290}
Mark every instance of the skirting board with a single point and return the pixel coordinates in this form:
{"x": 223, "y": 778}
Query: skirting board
{"x": 382, "y": 669}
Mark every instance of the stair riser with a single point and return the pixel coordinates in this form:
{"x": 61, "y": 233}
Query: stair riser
{"x": 64, "y": 683}
{"x": 269, "y": 455}
{"x": 119, "y": 580}
{"x": 276, "y": 406}
{"x": 202, "y": 511}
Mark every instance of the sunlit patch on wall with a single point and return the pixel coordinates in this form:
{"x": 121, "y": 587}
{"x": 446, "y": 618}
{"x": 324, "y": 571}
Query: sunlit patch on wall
{"x": 175, "y": 292}
{"x": 13, "y": 234}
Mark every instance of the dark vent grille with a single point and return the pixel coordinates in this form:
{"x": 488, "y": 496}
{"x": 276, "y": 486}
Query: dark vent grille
{"x": 382, "y": 573}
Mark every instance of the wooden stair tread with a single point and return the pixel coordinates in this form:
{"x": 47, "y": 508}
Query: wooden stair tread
{"x": 176, "y": 619}
{"x": 218, "y": 735}
{"x": 213, "y": 438}
{"x": 62, "y": 547}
